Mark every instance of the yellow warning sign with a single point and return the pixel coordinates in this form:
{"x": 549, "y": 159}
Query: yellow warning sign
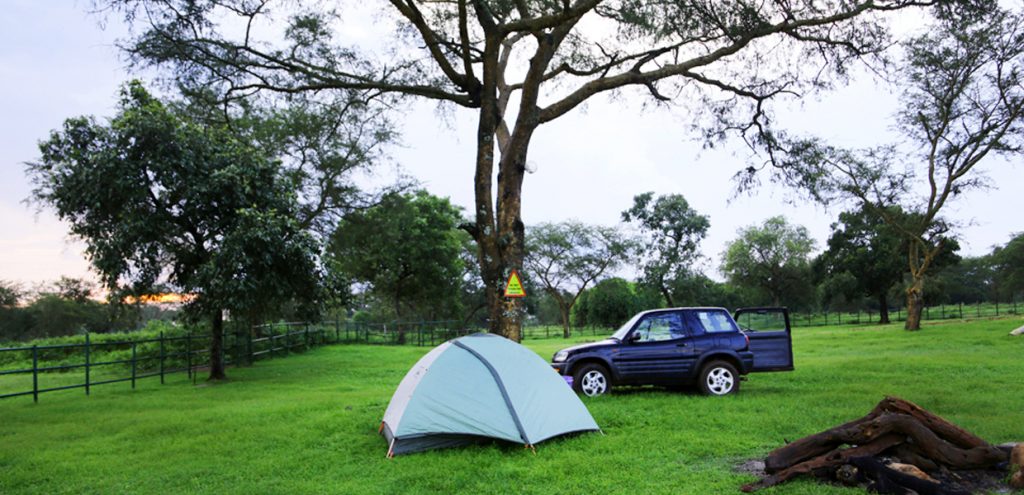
{"x": 514, "y": 286}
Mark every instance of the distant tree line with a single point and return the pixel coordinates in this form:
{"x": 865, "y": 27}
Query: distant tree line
{"x": 68, "y": 306}
{"x": 574, "y": 270}
{"x": 405, "y": 258}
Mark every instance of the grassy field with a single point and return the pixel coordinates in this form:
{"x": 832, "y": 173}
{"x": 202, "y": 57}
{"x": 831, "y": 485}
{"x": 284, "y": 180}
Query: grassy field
{"x": 308, "y": 424}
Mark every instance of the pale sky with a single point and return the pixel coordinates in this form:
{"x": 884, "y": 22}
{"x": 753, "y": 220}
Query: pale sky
{"x": 56, "y": 62}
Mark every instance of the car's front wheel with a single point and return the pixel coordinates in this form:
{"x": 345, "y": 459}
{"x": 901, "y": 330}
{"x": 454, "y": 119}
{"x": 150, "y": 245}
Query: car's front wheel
{"x": 592, "y": 380}
{"x": 719, "y": 378}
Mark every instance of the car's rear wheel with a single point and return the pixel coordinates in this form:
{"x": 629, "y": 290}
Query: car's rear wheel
{"x": 592, "y": 380}
{"x": 719, "y": 378}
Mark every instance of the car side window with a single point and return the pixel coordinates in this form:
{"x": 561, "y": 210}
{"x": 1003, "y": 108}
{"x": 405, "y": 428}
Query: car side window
{"x": 714, "y": 321}
{"x": 660, "y": 327}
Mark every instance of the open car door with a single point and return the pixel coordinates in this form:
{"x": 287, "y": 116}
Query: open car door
{"x": 770, "y": 337}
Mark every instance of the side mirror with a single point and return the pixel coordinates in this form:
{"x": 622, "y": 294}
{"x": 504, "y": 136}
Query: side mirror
{"x": 634, "y": 337}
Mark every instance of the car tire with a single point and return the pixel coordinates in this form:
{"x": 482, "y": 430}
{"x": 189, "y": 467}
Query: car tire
{"x": 718, "y": 378}
{"x": 592, "y": 380}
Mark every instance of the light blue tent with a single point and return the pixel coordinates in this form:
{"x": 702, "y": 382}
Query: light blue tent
{"x": 479, "y": 387}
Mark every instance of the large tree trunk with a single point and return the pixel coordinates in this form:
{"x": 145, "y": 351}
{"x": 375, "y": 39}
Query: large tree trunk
{"x": 564, "y": 309}
{"x": 915, "y": 303}
{"x": 883, "y": 308}
{"x": 400, "y": 339}
{"x": 217, "y": 347}
{"x": 667, "y": 294}
{"x": 499, "y": 229}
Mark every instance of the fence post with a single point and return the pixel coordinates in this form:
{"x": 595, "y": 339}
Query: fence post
{"x": 270, "y": 341}
{"x": 188, "y": 352}
{"x": 248, "y": 348}
{"x": 306, "y": 337}
{"x": 161, "y": 358}
{"x": 87, "y": 363}
{"x": 337, "y": 329}
{"x": 133, "y": 365}
{"x": 35, "y": 374}
{"x": 997, "y": 306}
{"x": 961, "y": 310}
{"x": 942, "y": 307}
{"x": 927, "y": 314}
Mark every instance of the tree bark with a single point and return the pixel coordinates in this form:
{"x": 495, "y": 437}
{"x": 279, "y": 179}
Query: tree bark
{"x": 915, "y": 303}
{"x": 400, "y": 338}
{"x": 883, "y": 308}
{"x": 217, "y": 347}
{"x": 500, "y": 232}
{"x": 667, "y": 294}
{"x": 564, "y": 310}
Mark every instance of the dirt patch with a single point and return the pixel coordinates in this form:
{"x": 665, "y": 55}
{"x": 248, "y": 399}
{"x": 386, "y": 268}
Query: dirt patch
{"x": 987, "y": 481}
{"x": 974, "y": 481}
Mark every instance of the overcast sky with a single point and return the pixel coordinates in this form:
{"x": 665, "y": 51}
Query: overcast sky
{"x": 57, "y": 62}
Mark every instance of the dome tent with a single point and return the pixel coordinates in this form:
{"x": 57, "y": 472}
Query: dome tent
{"x": 478, "y": 387}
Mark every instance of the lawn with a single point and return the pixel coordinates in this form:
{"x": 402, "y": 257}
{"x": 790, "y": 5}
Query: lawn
{"x": 308, "y": 423}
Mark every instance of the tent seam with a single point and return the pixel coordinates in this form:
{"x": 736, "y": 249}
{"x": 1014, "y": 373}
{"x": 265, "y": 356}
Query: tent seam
{"x": 501, "y": 387}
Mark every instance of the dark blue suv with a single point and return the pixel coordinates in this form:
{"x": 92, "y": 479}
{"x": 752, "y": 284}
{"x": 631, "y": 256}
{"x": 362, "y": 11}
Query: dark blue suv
{"x": 682, "y": 346}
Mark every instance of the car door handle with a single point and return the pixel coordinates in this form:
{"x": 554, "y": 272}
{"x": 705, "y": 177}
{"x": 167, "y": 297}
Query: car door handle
{"x": 684, "y": 344}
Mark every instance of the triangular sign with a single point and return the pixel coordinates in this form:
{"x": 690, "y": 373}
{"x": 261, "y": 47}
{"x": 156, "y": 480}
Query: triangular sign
{"x": 514, "y": 287}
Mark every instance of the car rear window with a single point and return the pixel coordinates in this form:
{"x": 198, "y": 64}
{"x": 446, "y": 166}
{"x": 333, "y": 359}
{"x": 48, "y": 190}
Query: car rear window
{"x": 714, "y": 321}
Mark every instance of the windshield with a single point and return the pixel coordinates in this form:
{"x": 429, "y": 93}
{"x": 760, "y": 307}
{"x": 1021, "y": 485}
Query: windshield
{"x": 624, "y": 329}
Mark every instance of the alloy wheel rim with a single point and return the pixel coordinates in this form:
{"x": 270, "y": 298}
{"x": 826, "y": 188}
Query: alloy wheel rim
{"x": 720, "y": 381}
{"x": 594, "y": 383}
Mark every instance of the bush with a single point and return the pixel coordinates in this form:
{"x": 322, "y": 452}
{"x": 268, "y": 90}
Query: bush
{"x": 50, "y": 315}
{"x": 105, "y": 347}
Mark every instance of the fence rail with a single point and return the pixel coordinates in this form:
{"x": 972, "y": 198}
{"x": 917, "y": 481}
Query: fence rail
{"x": 136, "y": 359}
{"x": 929, "y": 313}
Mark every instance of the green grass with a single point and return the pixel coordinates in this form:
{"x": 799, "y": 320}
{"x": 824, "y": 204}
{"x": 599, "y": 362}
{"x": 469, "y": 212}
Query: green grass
{"x": 308, "y": 423}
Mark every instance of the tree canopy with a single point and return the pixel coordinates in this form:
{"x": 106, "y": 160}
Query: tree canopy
{"x": 962, "y": 102}
{"x": 163, "y": 201}
{"x": 671, "y": 232}
{"x": 866, "y": 252}
{"x": 518, "y": 65}
{"x": 10, "y": 294}
{"x": 408, "y": 252}
{"x": 773, "y": 257}
{"x": 565, "y": 258}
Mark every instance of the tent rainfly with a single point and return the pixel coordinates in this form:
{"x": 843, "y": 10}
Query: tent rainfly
{"x": 478, "y": 387}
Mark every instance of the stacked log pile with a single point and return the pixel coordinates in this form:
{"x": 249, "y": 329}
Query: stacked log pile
{"x": 897, "y": 448}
